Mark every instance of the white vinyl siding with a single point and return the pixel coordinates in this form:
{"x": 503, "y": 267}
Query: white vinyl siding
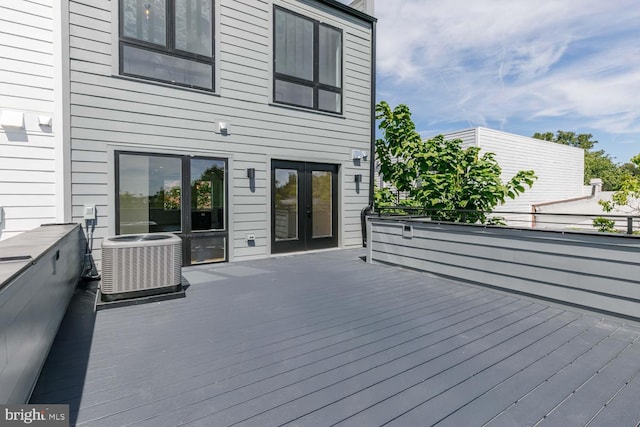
{"x": 559, "y": 168}
{"x": 111, "y": 113}
{"x": 27, "y": 156}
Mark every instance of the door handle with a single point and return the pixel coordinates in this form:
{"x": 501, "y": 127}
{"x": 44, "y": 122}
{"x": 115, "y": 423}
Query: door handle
{"x": 308, "y": 211}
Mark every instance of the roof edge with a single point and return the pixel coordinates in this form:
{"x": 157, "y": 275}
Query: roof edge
{"x": 349, "y": 10}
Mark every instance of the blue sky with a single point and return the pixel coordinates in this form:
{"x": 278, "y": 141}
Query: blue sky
{"x": 521, "y": 66}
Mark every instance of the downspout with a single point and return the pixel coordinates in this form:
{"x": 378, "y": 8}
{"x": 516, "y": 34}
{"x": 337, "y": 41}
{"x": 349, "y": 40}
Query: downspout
{"x": 372, "y": 149}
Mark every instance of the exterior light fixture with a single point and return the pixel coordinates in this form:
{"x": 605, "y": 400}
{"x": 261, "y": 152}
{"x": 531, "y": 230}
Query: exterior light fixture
{"x": 223, "y": 128}
{"x": 12, "y": 119}
{"x": 44, "y": 121}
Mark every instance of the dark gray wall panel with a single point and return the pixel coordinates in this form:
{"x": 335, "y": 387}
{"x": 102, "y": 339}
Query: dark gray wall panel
{"x": 592, "y": 270}
{"x": 33, "y": 301}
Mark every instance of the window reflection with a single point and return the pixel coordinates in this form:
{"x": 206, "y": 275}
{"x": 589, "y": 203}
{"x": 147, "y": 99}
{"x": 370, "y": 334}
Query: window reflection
{"x": 145, "y": 20}
{"x": 193, "y": 26}
{"x": 329, "y": 64}
{"x": 149, "y": 194}
{"x": 207, "y": 194}
{"x": 208, "y": 249}
{"x": 321, "y": 189}
{"x": 308, "y": 62}
{"x": 294, "y": 45}
{"x": 286, "y": 206}
{"x": 167, "y": 68}
{"x": 169, "y": 41}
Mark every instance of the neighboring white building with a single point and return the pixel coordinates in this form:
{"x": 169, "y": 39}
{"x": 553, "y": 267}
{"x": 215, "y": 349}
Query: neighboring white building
{"x": 196, "y": 119}
{"x": 586, "y": 209}
{"x": 32, "y": 157}
{"x": 559, "y": 168}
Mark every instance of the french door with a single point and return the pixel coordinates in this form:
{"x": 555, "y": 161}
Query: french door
{"x": 184, "y": 195}
{"x": 304, "y": 206}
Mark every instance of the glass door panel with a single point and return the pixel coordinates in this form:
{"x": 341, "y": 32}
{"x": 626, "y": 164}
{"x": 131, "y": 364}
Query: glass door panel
{"x": 151, "y": 199}
{"x": 205, "y": 249}
{"x": 207, "y": 194}
{"x": 207, "y": 239}
{"x": 303, "y": 210}
{"x": 286, "y": 204}
{"x": 321, "y": 198}
{"x": 149, "y": 194}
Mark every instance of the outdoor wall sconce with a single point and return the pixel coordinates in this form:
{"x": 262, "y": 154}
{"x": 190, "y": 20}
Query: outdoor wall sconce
{"x": 251, "y": 174}
{"x": 12, "y": 119}
{"x": 357, "y": 154}
{"x": 223, "y": 128}
{"x": 45, "y": 121}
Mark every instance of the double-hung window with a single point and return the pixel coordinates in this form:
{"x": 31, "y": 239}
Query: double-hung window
{"x": 307, "y": 62}
{"x": 168, "y": 40}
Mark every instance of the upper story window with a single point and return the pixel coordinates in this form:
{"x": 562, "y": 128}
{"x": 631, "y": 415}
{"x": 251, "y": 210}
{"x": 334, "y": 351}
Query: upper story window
{"x": 168, "y": 40}
{"x": 307, "y": 62}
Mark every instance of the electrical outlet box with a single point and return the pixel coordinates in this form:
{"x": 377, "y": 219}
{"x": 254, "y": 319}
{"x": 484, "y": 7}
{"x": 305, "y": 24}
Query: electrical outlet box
{"x": 251, "y": 237}
{"x": 89, "y": 212}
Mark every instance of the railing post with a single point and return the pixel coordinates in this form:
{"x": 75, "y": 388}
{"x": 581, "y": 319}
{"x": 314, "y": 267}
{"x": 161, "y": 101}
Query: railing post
{"x": 363, "y": 222}
{"x": 629, "y": 225}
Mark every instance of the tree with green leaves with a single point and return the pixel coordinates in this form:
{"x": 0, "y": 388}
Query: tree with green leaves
{"x": 583, "y": 140}
{"x": 438, "y": 175}
{"x": 631, "y": 168}
{"x": 629, "y": 193}
{"x": 627, "y": 197}
{"x": 597, "y": 163}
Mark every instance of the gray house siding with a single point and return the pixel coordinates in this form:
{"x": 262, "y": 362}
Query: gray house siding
{"x": 111, "y": 113}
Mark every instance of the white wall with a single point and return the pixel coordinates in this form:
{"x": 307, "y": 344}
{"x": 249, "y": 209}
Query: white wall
{"x": 28, "y": 156}
{"x": 560, "y": 168}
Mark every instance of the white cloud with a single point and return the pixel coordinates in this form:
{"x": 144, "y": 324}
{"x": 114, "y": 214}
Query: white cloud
{"x": 503, "y": 60}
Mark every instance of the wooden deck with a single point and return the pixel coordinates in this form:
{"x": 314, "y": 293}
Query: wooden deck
{"x": 326, "y": 339}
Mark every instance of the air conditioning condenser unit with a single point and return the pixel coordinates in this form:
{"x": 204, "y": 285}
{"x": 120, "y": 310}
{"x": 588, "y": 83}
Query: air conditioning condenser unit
{"x": 140, "y": 264}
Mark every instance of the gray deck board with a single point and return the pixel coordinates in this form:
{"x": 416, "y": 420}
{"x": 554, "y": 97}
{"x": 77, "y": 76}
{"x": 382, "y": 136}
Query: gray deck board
{"x": 623, "y": 410}
{"x": 309, "y": 389}
{"x": 582, "y": 405}
{"x": 473, "y": 380}
{"x": 323, "y": 338}
{"x": 537, "y": 404}
{"x": 481, "y": 409}
{"x": 440, "y": 377}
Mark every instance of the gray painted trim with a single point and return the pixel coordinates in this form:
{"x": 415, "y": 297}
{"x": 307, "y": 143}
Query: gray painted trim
{"x": 62, "y": 111}
{"x": 111, "y": 182}
{"x": 372, "y": 150}
{"x": 599, "y": 272}
{"x": 115, "y": 51}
